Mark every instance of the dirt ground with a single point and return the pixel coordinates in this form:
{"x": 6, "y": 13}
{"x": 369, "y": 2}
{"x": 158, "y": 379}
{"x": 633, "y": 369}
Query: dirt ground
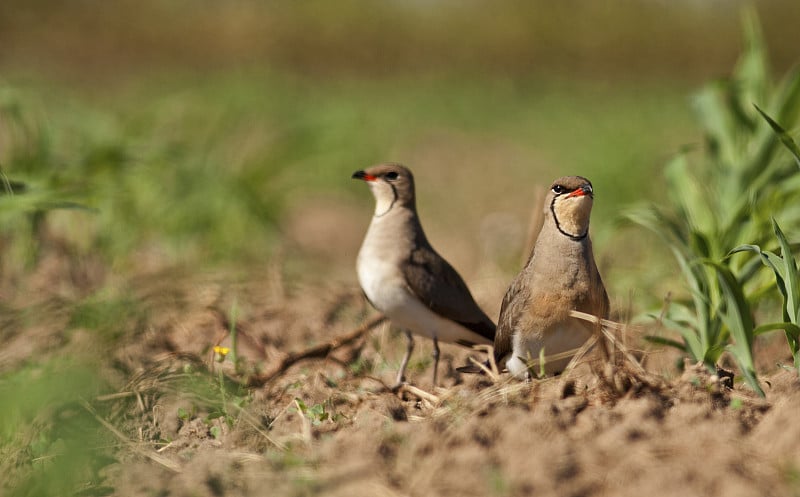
{"x": 328, "y": 425}
{"x": 598, "y": 431}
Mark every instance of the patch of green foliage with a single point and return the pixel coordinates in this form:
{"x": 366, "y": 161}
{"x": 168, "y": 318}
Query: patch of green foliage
{"x": 726, "y": 200}
{"x": 787, "y": 280}
{"x": 108, "y": 316}
{"x": 50, "y": 444}
{"x": 202, "y": 172}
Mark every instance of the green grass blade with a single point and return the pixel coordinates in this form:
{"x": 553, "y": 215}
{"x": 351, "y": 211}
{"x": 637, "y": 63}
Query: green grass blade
{"x": 783, "y": 136}
{"x": 666, "y": 341}
{"x": 710, "y": 106}
{"x": 769, "y": 259}
{"x": 736, "y": 315}
{"x": 790, "y": 275}
{"x": 737, "y": 310}
{"x": 786, "y": 103}
{"x": 650, "y": 218}
{"x": 691, "y": 341}
{"x": 702, "y": 337}
{"x": 752, "y": 68}
{"x": 685, "y": 193}
{"x": 789, "y": 328}
{"x": 748, "y": 372}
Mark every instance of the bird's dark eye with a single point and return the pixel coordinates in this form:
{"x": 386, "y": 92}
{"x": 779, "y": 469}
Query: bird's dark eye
{"x": 558, "y": 189}
{"x": 391, "y": 175}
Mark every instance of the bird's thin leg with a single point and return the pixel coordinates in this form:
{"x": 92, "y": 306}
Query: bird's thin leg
{"x": 435, "y": 360}
{"x": 409, "y": 349}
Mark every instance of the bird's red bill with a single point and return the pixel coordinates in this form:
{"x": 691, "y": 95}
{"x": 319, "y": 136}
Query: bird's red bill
{"x": 577, "y": 193}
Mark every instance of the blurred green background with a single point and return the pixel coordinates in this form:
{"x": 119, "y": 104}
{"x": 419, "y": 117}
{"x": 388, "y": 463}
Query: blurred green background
{"x": 140, "y": 138}
{"x": 203, "y": 132}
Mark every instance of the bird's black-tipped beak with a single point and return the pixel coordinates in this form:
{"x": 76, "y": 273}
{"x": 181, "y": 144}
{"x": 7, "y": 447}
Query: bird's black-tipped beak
{"x": 585, "y": 190}
{"x": 363, "y": 176}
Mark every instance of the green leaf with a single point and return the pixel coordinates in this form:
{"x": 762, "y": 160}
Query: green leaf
{"x": 215, "y": 432}
{"x": 685, "y": 193}
{"x": 666, "y": 341}
{"x": 691, "y": 337}
{"x": 752, "y": 68}
{"x": 786, "y": 103}
{"x": 769, "y": 259}
{"x": 787, "y": 327}
{"x": 713, "y": 354}
{"x": 791, "y": 278}
{"x": 710, "y": 105}
{"x": 783, "y": 136}
{"x": 736, "y": 315}
{"x": 737, "y": 309}
{"x": 651, "y": 218}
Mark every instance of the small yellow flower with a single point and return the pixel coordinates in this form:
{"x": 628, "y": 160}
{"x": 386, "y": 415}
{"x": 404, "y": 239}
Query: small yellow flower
{"x": 221, "y": 352}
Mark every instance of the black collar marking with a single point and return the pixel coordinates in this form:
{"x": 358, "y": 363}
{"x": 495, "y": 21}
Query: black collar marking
{"x": 394, "y": 192}
{"x": 577, "y": 238}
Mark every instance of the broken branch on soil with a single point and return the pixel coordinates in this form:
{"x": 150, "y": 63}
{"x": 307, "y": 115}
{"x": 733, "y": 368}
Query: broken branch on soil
{"x": 317, "y": 352}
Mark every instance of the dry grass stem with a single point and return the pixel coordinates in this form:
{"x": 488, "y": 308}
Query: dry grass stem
{"x": 317, "y": 352}
{"x": 248, "y": 418}
{"x": 305, "y": 424}
{"x": 493, "y": 372}
{"x": 430, "y": 398}
{"x": 163, "y": 461}
{"x": 114, "y": 396}
{"x": 607, "y": 325}
{"x": 580, "y": 354}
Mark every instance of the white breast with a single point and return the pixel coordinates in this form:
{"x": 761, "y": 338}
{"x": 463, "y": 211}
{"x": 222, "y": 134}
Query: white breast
{"x": 378, "y": 268}
{"x": 567, "y": 336}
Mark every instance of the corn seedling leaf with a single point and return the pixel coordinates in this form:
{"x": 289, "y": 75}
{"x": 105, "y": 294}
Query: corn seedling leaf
{"x": 650, "y": 218}
{"x": 752, "y": 69}
{"x": 769, "y": 259}
{"x": 791, "y": 279}
{"x": 789, "y": 328}
{"x": 710, "y": 106}
{"x": 686, "y": 195}
{"x": 736, "y": 315}
{"x": 693, "y": 345}
{"x": 786, "y": 104}
{"x": 783, "y": 136}
{"x": 666, "y": 341}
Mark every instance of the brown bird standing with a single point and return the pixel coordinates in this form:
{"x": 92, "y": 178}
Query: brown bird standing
{"x": 406, "y": 279}
{"x": 560, "y": 276}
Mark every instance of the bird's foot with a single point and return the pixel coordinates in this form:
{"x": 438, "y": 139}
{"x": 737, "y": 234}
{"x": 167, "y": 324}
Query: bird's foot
{"x": 398, "y": 384}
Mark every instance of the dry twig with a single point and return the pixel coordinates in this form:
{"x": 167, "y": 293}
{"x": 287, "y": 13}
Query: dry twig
{"x": 317, "y": 352}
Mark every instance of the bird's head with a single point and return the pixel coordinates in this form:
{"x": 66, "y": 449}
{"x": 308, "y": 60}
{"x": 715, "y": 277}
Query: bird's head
{"x": 391, "y": 184}
{"x": 570, "y": 202}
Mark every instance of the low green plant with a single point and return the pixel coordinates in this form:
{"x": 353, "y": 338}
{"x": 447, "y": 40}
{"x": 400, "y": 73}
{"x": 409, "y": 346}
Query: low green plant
{"x": 231, "y": 393}
{"x": 108, "y": 315}
{"x": 317, "y": 413}
{"x": 787, "y": 279}
{"x": 49, "y": 443}
{"x": 726, "y": 200}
